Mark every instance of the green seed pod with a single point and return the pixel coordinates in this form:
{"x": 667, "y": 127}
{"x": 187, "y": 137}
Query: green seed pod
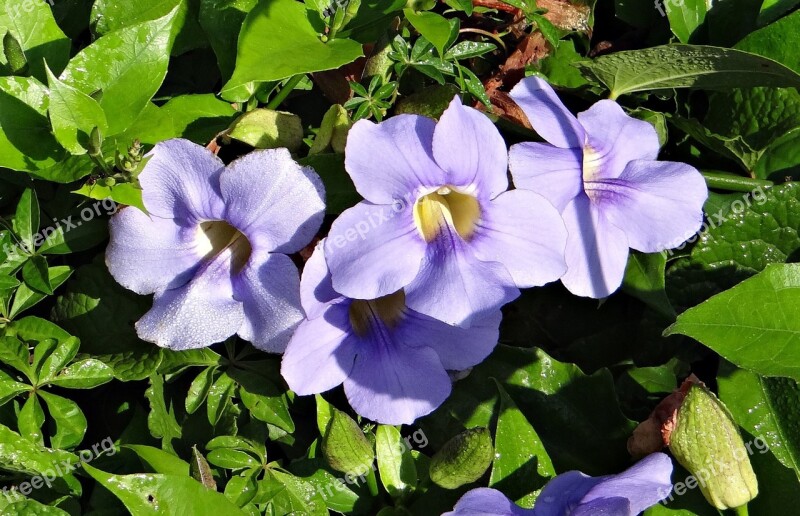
{"x": 707, "y": 443}
{"x": 462, "y": 459}
{"x": 15, "y": 56}
{"x": 345, "y": 447}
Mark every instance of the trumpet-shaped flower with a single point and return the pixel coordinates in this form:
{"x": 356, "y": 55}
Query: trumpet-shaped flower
{"x": 213, "y": 246}
{"x": 574, "y": 494}
{"x": 391, "y": 359}
{"x": 599, "y": 170}
{"x": 437, "y": 221}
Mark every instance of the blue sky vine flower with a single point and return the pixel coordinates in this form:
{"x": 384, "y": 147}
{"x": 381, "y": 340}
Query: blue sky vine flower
{"x": 437, "y": 220}
{"x": 600, "y": 170}
{"x": 574, "y": 494}
{"x": 392, "y": 360}
{"x": 213, "y": 246}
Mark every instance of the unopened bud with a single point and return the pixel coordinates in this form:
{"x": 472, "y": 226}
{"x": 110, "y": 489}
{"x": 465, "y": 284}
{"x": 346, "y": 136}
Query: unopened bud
{"x": 706, "y": 441}
{"x": 15, "y": 56}
{"x": 462, "y": 459}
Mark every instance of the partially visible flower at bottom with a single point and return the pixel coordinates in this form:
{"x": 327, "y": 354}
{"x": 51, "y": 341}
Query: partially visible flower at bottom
{"x": 574, "y": 494}
{"x": 392, "y": 360}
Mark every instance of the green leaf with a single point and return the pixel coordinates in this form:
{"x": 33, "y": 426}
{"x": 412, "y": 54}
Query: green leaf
{"x": 268, "y": 129}
{"x": 31, "y": 419}
{"x": 161, "y": 419}
{"x": 395, "y": 463}
{"x": 277, "y": 41}
{"x": 521, "y": 466}
{"x": 26, "y": 143}
{"x": 463, "y": 459}
{"x": 65, "y": 239}
{"x": 26, "y": 218}
{"x": 30, "y": 507}
{"x": 292, "y": 495}
{"x": 26, "y": 298}
{"x": 686, "y": 66}
{"x": 21, "y": 455}
{"x": 74, "y": 115}
{"x": 33, "y": 328}
{"x": 36, "y": 274}
{"x": 57, "y": 360}
{"x": 15, "y": 353}
{"x": 127, "y": 66}
{"x": 198, "y": 117}
{"x": 340, "y": 193}
{"x": 771, "y": 10}
{"x": 221, "y": 20}
{"x": 165, "y": 495}
{"x": 434, "y": 27}
{"x": 33, "y": 25}
{"x": 752, "y": 324}
{"x": 198, "y": 390}
{"x": 232, "y": 459}
{"x": 70, "y": 421}
{"x": 344, "y": 445}
{"x": 160, "y": 461}
{"x": 685, "y": 19}
{"x": 219, "y": 396}
{"x": 10, "y": 388}
{"x": 780, "y": 158}
{"x": 644, "y": 279}
{"x": 263, "y": 399}
{"x": 83, "y": 374}
{"x": 777, "y": 41}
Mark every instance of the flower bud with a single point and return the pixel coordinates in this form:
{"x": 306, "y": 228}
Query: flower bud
{"x": 15, "y": 56}
{"x": 706, "y": 441}
{"x": 462, "y": 459}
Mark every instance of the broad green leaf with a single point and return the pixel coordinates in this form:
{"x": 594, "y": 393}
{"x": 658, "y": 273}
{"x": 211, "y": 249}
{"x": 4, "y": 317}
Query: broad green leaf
{"x": 434, "y": 27}
{"x": 177, "y": 361}
{"x": 219, "y": 396}
{"x": 263, "y": 399}
{"x": 644, "y": 279}
{"x": 10, "y": 388}
{"x": 58, "y": 359}
{"x": 198, "y": 117}
{"x": 31, "y": 419}
{"x": 127, "y": 67}
{"x": 222, "y": 20}
{"x": 22, "y": 455}
{"x": 159, "y": 460}
{"x": 165, "y": 495}
{"x": 776, "y": 41}
{"x": 74, "y": 115}
{"x": 26, "y": 218}
{"x": 121, "y": 193}
{"x": 521, "y": 466}
{"x": 338, "y": 496}
{"x": 33, "y": 328}
{"x": 292, "y": 495}
{"x": 345, "y": 447}
{"x": 14, "y": 353}
{"x": 277, "y": 41}
{"x": 781, "y": 158}
{"x": 395, "y": 464}
{"x": 30, "y": 507}
{"x": 686, "y": 66}
{"x": 69, "y": 419}
{"x": 26, "y": 298}
{"x": 198, "y": 390}
{"x": 33, "y": 25}
{"x": 36, "y": 274}
{"x": 241, "y": 490}
{"x": 463, "y": 459}
{"x": 771, "y": 10}
{"x": 232, "y": 459}
{"x": 686, "y": 18}
{"x": 65, "y": 239}
{"x": 753, "y": 324}
{"x": 26, "y": 143}
{"x": 83, "y": 374}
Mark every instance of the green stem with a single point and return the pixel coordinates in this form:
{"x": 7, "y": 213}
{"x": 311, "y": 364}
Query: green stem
{"x": 741, "y": 510}
{"x": 372, "y": 482}
{"x": 724, "y": 181}
{"x": 285, "y": 91}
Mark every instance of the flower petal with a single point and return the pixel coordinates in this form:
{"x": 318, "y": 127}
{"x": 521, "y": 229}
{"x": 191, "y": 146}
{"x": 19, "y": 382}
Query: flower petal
{"x": 456, "y": 287}
{"x": 389, "y": 160}
{"x": 181, "y": 181}
{"x": 487, "y": 502}
{"x": 597, "y": 251}
{"x": 469, "y": 148}
{"x": 146, "y": 254}
{"x": 644, "y": 484}
{"x": 196, "y": 315}
{"x": 275, "y": 202}
{"x": 550, "y": 171}
{"x": 658, "y": 204}
{"x": 605, "y": 507}
{"x": 563, "y": 493}
{"x": 373, "y": 250}
{"x": 525, "y": 233}
{"x": 394, "y": 383}
{"x": 616, "y": 138}
{"x": 316, "y": 289}
{"x": 548, "y": 116}
{"x": 321, "y": 353}
{"x": 268, "y": 287}
{"x": 458, "y": 348}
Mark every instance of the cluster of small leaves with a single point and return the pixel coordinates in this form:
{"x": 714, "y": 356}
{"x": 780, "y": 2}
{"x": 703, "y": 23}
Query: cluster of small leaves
{"x": 88, "y": 86}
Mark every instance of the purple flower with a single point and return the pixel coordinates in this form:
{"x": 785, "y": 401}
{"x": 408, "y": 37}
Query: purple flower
{"x": 437, "y": 221}
{"x": 391, "y": 359}
{"x": 214, "y": 245}
{"x": 600, "y": 172}
{"x": 574, "y": 494}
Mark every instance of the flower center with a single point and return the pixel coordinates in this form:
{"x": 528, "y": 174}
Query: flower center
{"x": 387, "y": 309}
{"x": 592, "y": 161}
{"x": 218, "y": 236}
{"x": 446, "y": 206}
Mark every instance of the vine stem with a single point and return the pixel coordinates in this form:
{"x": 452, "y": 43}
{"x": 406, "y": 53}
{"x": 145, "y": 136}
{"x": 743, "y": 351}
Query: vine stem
{"x": 741, "y": 510}
{"x": 285, "y": 91}
{"x": 724, "y": 181}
